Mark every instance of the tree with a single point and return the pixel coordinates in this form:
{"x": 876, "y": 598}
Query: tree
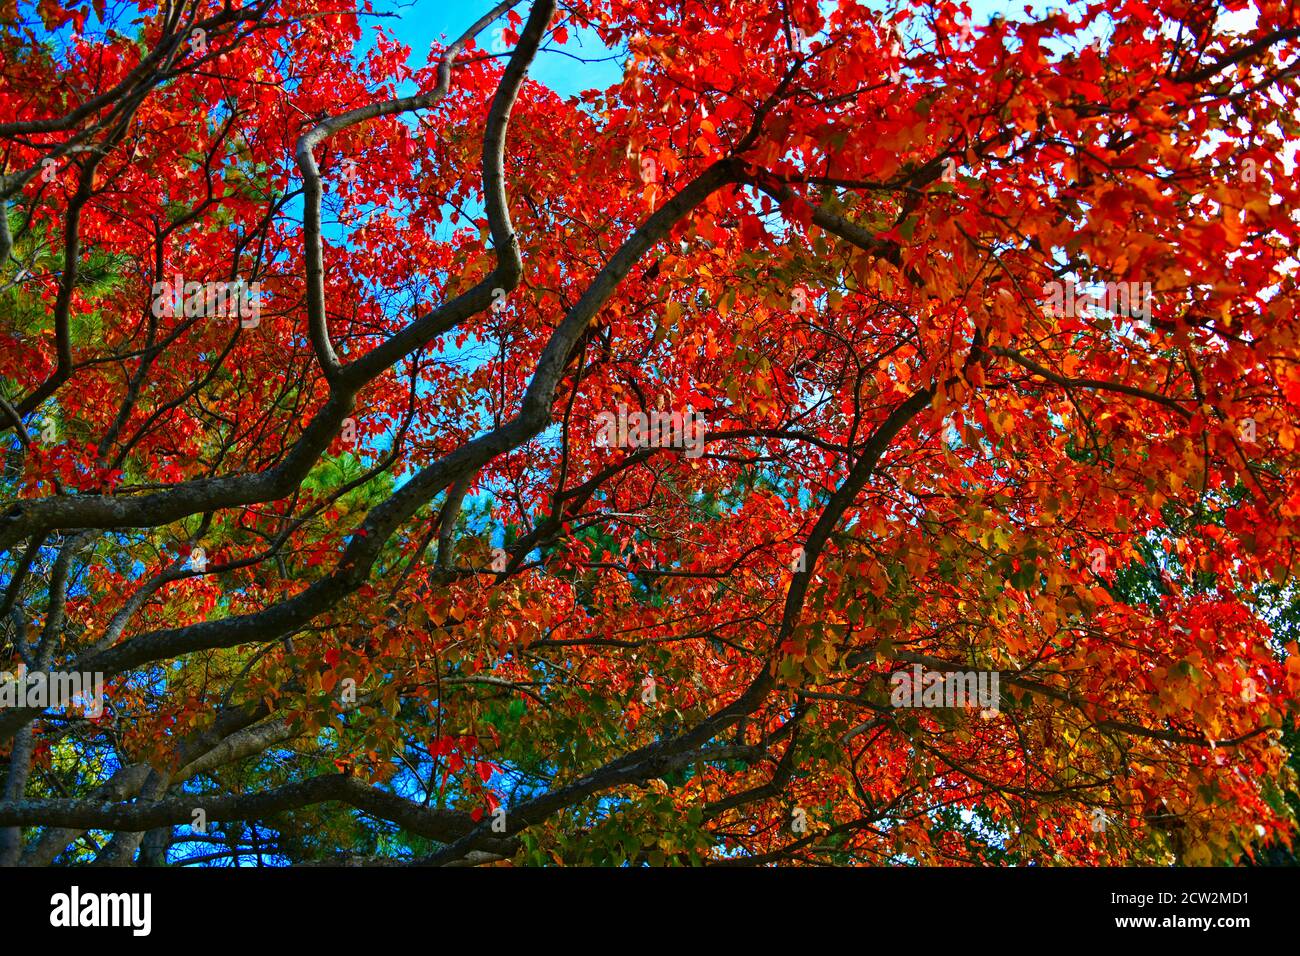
{"x": 863, "y": 437}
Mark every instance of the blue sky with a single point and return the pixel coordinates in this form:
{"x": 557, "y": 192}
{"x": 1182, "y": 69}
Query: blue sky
{"x": 419, "y": 23}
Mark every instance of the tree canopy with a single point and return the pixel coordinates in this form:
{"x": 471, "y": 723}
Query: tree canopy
{"x": 437, "y": 469}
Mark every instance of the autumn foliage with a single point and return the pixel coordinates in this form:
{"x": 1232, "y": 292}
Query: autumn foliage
{"x": 364, "y": 578}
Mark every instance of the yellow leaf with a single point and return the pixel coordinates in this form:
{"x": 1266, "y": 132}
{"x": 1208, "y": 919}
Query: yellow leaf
{"x": 672, "y": 312}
